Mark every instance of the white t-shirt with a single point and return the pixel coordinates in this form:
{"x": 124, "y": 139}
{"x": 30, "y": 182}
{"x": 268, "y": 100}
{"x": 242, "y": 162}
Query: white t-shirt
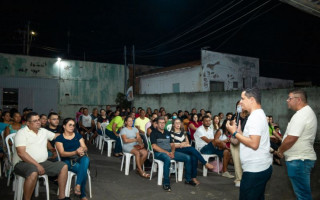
{"x": 35, "y": 143}
{"x": 86, "y": 120}
{"x": 304, "y": 125}
{"x": 200, "y": 132}
{"x": 260, "y": 159}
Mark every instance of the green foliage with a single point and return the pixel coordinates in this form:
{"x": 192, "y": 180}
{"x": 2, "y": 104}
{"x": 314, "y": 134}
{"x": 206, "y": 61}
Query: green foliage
{"x": 122, "y": 101}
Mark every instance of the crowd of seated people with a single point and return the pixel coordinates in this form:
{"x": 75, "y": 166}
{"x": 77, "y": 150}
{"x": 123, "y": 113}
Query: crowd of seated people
{"x": 184, "y": 132}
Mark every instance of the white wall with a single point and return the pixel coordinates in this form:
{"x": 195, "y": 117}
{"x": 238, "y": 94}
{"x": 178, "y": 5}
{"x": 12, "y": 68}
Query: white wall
{"x": 188, "y": 79}
{"x": 228, "y": 68}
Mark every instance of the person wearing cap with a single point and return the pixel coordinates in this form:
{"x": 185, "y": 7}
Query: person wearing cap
{"x": 113, "y": 130}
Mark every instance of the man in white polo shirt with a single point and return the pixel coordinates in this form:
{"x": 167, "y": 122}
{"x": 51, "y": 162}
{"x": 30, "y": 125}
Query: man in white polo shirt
{"x": 297, "y": 144}
{"x": 254, "y": 141}
{"x": 30, "y": 157}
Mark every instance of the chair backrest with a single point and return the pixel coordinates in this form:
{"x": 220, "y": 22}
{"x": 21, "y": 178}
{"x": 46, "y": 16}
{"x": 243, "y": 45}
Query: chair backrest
{"x": 3, "y": 140}
{"x": 103, "y": 128}
{"x": 10, "y": 149}
{"x": 150, "y": 149}
{"x": 58, "y": 155}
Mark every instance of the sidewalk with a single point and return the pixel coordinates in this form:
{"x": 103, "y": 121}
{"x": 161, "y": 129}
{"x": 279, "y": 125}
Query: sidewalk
{"x": 108, "y": 182}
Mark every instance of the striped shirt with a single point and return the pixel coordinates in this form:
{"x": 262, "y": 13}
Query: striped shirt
{"x": 178, "y": 137}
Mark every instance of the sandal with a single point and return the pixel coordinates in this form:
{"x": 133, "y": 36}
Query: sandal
{"x": 209, "y": 166}
{"x": 77, "y": 191}
{"x": 144, "y": 175}
{"x": 117, "y": 155}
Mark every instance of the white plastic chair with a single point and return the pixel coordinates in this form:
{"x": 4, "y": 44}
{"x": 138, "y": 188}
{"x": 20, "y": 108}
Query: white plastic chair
{"x": 107, "y": 140}
{"x": 100, "y": 137}
{"x": 69, "y": 179}
{"x": 19, "y": 180}
{"x": 206, "y": 158}
{"x": 10, "y": 151}
{"x": 127, "y": 157}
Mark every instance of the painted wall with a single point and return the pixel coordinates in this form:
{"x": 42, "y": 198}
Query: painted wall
{"x": 80, "y": 83}
{"x": 228, "y": 68}
{"x": 273, "y": 103}
{"x": 188, "y": 80}
{"x": 269, "y": 83}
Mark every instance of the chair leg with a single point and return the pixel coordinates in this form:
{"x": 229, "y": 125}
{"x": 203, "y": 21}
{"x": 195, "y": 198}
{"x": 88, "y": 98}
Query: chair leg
{"x": 152, "y": 166}
{"x": 109, "y": 148}
{"x": 19, "y": 188}
{"x": 122, "y": 160}
{"x": 36, "y": 191}
{"x": 128, "y": 158}
{"x": 9, "y": 176}
{"x": 102, "y": 146}
{"x": 160, "y": 172}
{"x": 180, "y": 170}
{"x": 134, "y": 163}
{"x": 89, "y": 180}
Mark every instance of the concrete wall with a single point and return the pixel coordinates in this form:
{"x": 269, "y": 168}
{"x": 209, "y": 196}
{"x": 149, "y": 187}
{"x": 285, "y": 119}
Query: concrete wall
{"x": 269, "y": 83}
{"x": 228, "y": 68}
{"x": 273, "y": 103}
{"x": 80, "y": 83}
{"x": 187, "y": 78}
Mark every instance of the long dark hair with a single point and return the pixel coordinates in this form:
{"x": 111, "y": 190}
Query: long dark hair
{"x": 66, "y": 120}
{"x": 181, "y": 127}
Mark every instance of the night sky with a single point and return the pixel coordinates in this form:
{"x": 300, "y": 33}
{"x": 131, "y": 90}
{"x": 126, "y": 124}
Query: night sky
{"x": 168, "y": 32}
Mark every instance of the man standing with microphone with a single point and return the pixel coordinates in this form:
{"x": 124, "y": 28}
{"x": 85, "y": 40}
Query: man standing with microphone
{"x": 254, "y": 146}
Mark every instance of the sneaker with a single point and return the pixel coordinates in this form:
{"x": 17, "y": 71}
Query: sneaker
{"x": 190, "y": 183}
{"x": 167, "y": 188}
{"x": 237, "y": 183}
{"x": 227, "y": 175}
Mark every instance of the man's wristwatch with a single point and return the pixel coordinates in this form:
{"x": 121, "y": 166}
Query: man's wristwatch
{"x": 234, "y": 134}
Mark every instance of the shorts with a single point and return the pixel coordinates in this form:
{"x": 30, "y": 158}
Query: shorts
{"x": 210, "y": 149}
{"x": 24, "y": 169}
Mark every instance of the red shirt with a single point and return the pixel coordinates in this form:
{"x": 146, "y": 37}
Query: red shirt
{"x": 197, "y": 125}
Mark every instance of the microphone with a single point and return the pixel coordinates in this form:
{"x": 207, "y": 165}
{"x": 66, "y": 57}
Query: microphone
{"x": 239, "y": 110}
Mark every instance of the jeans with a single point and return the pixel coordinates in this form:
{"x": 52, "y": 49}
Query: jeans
{"x": 195, "y": 156}
{"x": 299, "y": 174}
{"x": 118, "y": 147}
{"x": 253, "y": 184}
{"x": 80, "y": 168}
{"x": 179, "y": 157}
{"x": 210, "y": 149}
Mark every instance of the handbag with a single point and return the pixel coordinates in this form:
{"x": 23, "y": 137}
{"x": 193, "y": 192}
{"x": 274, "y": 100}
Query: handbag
{"x": 74, "y": 159}
{"x": 137, "y": 146}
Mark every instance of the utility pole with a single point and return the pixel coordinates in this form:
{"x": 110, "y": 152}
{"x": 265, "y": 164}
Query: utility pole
{"x": 133, "y": 70}
{"x": 125, "y": 69}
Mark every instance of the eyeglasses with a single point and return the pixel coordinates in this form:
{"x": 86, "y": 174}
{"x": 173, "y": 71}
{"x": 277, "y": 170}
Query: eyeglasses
{"x": 34, "y": 121}
{"x": 289, "y": 98}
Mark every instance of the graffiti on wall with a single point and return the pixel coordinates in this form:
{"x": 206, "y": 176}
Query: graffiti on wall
{"x": 231, "y": 70}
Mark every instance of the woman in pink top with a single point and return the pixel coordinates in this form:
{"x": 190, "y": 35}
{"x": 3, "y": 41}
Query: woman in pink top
{"x": 194, "y": 124}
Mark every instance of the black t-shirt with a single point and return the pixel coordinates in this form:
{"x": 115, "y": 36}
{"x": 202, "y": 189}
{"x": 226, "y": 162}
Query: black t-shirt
{"x": 102, "y": 120}
{"x": 59, "y": 129}
{"x": 163, "y": 140}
